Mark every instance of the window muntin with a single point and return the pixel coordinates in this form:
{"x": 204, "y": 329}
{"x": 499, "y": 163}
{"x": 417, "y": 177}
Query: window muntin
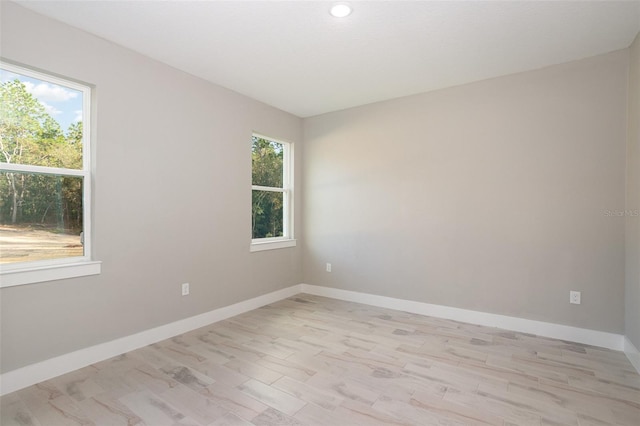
{"x": 45, "y": 170}
{"x": 272, "y": 190}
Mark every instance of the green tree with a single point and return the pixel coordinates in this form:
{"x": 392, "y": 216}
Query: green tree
{"x": 28, "y": 135}
{"x": 267, "y": 170}
{"x": 21, "y": 124}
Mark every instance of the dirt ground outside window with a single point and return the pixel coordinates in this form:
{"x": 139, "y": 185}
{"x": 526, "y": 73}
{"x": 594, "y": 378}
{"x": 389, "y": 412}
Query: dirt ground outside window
{"x": 29, "y": 243}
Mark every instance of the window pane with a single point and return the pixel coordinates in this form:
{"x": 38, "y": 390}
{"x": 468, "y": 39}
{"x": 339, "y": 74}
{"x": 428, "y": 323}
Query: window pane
{"x": 266, "y": 162}
{"x": 40, "y": 217}
{"x": 40, "y": 122}
{"x": 267, "y": 214}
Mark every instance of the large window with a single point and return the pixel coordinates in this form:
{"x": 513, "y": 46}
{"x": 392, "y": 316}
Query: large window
{"x": 45, "y": 177}
{"x": 272, "y": 193}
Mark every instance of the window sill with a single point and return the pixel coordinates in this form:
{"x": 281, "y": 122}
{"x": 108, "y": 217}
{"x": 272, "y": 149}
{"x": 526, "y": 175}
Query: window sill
{"x": 271, "y": 244}
{"x": 48, "y": 273}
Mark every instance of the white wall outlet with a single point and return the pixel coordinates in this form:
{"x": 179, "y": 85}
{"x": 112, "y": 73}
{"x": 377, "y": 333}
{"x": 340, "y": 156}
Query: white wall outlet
{"x": 328, "y": 267}
{"x": 574, "y": 297}
{"x": 185, "y": 289}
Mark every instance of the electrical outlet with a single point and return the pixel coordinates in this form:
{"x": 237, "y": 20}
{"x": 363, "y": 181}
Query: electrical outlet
{"x": 185, "y": 289}
{"x": 574, "y": 297}
{"x": 328, "y": 267}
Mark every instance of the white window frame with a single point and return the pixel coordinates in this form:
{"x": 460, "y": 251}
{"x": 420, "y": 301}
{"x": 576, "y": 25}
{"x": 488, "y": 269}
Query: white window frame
{"x": 287, "y": 240}
{"x": 13, "y": 274}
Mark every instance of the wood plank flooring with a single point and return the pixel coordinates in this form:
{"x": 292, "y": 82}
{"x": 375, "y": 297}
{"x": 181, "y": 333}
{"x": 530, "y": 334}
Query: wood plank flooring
{"x": 310, "y": 360}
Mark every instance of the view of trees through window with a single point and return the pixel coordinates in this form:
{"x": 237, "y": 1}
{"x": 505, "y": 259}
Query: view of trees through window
{"x": 41, "y": 162}
{"x": 267, "y": 161}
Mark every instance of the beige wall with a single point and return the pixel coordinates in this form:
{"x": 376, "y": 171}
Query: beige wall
{"x": 490, "y": 196}
{"x": 632, "y": 294}
{"x": 172, "y": 198}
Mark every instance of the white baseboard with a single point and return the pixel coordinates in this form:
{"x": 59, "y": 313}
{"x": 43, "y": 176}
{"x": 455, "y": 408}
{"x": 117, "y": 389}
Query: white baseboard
{"x": 35, "y": 373}
{"x": 546, "y": 329}
{"x": 45, "y": 370}
{"x": 632, "y": 353}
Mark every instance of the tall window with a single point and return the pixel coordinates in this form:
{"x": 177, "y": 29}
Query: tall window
{"x": 45, "y": 171}
{"x": 272, "y": 193}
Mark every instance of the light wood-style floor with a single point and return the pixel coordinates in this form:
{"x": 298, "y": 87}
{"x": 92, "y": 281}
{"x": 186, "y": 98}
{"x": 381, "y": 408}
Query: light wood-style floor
{"x": 316, "y": 361}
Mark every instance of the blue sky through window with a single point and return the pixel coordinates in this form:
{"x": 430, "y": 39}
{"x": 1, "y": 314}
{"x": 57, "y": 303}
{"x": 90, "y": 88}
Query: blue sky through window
{"x": 62, "y": 103}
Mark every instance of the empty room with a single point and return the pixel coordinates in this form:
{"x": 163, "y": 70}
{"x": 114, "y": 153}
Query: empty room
{"x": 319, "y": 213}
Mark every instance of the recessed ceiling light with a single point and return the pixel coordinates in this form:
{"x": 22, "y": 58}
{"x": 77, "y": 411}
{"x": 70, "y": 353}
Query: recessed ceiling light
{"x": 340, "y": 10}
